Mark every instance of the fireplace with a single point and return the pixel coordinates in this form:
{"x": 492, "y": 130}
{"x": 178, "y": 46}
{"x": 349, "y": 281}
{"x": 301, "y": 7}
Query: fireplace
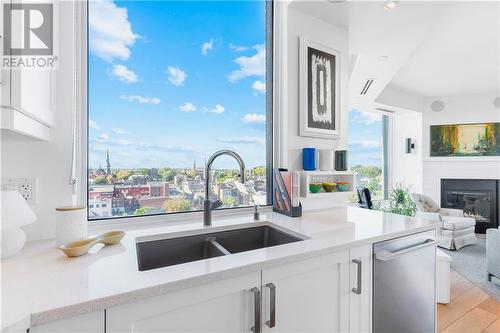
{"x": 478, "y": 198}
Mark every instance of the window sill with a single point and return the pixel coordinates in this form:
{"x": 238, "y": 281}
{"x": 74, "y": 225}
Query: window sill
{"x": 145, "y": 222}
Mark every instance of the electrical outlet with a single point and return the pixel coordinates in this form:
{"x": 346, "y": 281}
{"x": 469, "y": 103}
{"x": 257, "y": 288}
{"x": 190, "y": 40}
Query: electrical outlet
{"x": 25, "y": 186}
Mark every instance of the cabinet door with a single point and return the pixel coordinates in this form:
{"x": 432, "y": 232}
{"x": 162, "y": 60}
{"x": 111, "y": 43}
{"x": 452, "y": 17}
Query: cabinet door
{"x": 88, "y": 323}
{"x": 225, "y": 306}
{"x": 311, "y": 295}
{"x": 32, "y": 92}
{"x": 360, "y": 287}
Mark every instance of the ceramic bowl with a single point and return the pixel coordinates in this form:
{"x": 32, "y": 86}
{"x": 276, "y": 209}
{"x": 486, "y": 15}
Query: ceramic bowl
{"x": 81, "y": 247}
{"x": 343, "y": 187}
{"x": 329, "y": 187}
{"x": 314, "y": 188}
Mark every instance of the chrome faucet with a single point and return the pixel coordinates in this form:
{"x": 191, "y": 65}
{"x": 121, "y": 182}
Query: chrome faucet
{"x": 208, "y": 205}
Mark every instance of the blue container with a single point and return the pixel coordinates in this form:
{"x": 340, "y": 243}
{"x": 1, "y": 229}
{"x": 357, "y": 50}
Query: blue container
{"x": 309, "y": 159}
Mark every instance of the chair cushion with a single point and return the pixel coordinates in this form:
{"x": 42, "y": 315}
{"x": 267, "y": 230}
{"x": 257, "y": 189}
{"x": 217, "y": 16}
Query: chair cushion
{"x": 424, "y": 203}
{"x": 457, "y": 223}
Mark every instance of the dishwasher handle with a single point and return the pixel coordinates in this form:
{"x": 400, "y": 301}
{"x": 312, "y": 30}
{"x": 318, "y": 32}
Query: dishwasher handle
{"x": 386, "y": 255}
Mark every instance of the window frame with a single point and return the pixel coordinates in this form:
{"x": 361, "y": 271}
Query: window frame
{"x": 79, "y": 177}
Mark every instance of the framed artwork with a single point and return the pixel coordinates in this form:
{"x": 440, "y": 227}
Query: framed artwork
{"x": 319, "y": 94}
{"x": 465, "y": 140}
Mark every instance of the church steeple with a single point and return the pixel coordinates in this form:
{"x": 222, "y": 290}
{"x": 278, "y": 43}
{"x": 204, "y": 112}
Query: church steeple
{"x": 108, "y": 164}
{"x": 194, "y": 165}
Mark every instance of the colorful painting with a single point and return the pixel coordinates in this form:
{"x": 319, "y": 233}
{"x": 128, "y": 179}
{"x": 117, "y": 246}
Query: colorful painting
{"x": 465, "y": 140}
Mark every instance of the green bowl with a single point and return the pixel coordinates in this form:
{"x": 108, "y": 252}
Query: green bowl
{"x": 329, "y": 187}
{"x": 343, "y": 187}
{"x": 314, "y": 188}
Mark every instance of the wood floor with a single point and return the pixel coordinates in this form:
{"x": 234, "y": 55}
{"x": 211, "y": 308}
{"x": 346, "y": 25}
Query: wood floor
{"x": 470, "y": 310}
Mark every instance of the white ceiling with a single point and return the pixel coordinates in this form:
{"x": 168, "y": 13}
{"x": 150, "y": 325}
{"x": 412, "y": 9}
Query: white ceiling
{"x": 432, "y": 47}
{"x": 460, "y": 56}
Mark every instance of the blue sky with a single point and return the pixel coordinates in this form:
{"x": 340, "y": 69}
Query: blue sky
{"x": 365, "y": 138}
{"x": 173, "y": 81}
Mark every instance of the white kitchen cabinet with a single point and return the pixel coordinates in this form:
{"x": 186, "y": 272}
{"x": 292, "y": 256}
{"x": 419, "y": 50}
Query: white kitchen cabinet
{"x": 225, "y": 306}
{"x": 360, "y": 286}
{"x": 88, "y": 323}
{"x": 311, "y": 295}
{"x": 27, "y": 98}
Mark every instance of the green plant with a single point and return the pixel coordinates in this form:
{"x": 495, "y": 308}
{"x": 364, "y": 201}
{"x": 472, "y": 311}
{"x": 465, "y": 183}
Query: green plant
{"x": 399, "y": 202}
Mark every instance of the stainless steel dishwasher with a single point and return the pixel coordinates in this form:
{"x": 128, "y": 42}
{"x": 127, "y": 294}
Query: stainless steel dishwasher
{"x": 404, "y": 287}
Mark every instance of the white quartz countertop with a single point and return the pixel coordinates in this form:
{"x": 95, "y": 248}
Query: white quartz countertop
{"x": 41, "y": 284}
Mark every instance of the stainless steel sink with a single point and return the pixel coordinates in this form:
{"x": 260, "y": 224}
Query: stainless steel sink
{"x": 178, "y": 250}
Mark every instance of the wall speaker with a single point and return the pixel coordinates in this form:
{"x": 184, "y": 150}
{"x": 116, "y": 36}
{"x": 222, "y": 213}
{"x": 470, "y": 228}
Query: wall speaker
{"x": 409, "y": 146}
{"x": 437, "y": 106}
{"x": 496, "y": 102}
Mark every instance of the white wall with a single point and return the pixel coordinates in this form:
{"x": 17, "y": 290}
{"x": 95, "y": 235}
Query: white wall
{"x": 304, "y": 25}
{"x": 48, "y": 161}
{"x": 407, "y": 168}
{"x": 459, "y": 109}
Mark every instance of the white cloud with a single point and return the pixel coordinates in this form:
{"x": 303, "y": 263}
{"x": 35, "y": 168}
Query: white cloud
{"x": 217, "y": 109}
{"x": 250, "y": 66}
{"x": 366, "y": 144}
{"x": 111, "y": 34}
{"x": 254, "y": 118}
{"x": 187, "y": 107}
{"x": 140, "y": 99}
{"x": 244, "y": 140}
{"x": 103, "y": 137}
{"x": 366, "y": 118}
{"x": 122, "y": 142}
{"x": 207, "y": 46}
{"x": 176, "y": 76}
{"x": 118, "y": 130}
{"x": 259, "y": 87}
{"x": 93, "y": 125}
{"x": 124, "y": 74}
{"x": 238, "y": 48}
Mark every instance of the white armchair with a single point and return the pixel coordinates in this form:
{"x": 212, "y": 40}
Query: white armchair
{"x": 429, "y": 209}
{"x": 457, "y": 231}
{"x": 493, "y": 253}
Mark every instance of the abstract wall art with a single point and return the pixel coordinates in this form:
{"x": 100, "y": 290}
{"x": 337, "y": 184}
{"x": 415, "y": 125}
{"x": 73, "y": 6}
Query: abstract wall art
{"x": 465, "y": 140}
{"x": 319, "y": 90}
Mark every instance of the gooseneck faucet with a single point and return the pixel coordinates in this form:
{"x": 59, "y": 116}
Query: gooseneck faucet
{"x": 208, "y": 205}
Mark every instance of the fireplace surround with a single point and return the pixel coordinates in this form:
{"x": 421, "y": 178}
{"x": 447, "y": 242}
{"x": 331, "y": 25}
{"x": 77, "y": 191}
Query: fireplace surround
{"x": 478, "y": 198}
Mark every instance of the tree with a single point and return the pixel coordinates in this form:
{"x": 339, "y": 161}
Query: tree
{"x": 100, "y": 181}
{"x": 259, "y": 171}
{"x": 177, "y": 205}
{"x": 167, "y": 174}
{"x": 143, "y": 211}
{"x": 123, "y": 174}
{"x": 223, "y": 175}
{"x": 143, "y": 171}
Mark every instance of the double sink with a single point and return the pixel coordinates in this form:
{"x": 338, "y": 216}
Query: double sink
{"x": 171, "y": 251}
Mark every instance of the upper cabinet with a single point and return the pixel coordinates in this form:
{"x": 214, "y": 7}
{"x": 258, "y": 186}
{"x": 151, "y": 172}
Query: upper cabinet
{"x": 27, "y": 70}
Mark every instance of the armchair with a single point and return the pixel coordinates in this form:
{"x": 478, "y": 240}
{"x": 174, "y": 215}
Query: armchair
{"x": 493, "y": 253}
{"x": 457, "y": 230}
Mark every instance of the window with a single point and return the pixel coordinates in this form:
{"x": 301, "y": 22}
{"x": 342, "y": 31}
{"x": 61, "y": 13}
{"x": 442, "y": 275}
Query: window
{"x": 368, "y": 151}
{"x": 170, "y": 83}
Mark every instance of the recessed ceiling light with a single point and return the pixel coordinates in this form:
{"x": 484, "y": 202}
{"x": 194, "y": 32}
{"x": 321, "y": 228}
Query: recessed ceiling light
{"x": 383, "y": 58}
{"x": 391, "y": 4}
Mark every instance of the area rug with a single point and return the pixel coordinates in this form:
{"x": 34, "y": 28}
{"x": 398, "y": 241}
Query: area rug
{"x": 470, "y": 261}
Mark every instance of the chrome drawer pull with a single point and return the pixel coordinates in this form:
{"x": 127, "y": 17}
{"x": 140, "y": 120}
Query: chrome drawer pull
{"x": 358, "y": 263}
{"x": 272, "y": 315}
{"x": 256, "y": 306}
